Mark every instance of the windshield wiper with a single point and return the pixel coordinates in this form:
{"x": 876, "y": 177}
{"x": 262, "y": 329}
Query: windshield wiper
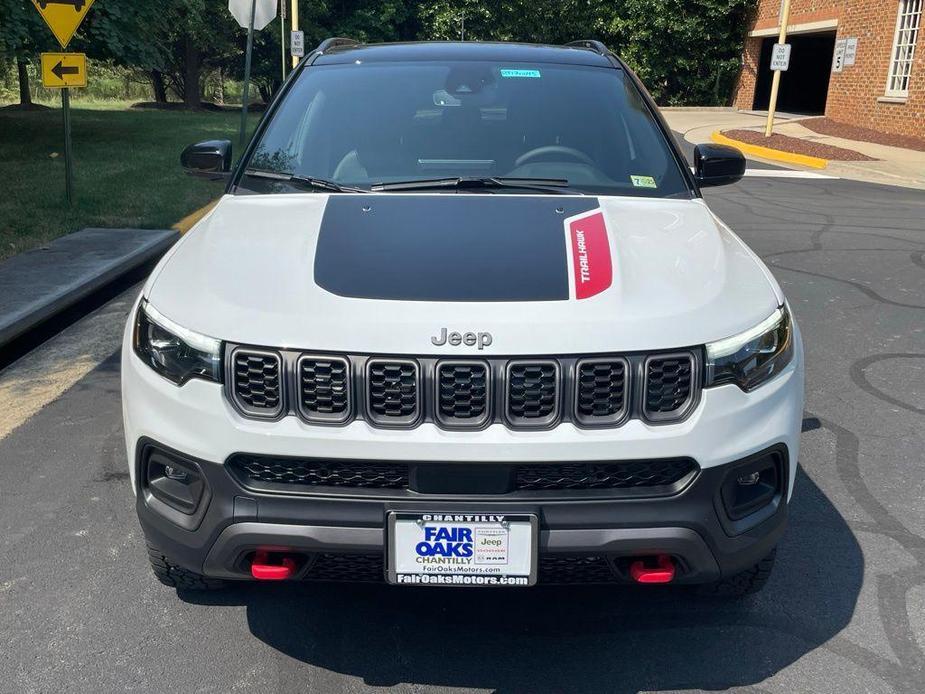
{"x": 304, "y": 181}
{"x": 555, "y": 186}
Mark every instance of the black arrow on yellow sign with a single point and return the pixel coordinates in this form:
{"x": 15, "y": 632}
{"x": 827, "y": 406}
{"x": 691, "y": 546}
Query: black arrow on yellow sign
{"x": 60, "y": 70}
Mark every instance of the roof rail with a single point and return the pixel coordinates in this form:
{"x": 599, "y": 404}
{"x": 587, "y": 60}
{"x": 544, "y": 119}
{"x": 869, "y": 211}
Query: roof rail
{"x": 590, "y": 44}
{"x": 335, "y": 42}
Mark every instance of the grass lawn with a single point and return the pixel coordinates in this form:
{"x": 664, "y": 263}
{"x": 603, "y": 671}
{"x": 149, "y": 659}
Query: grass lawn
{"x": 126, "y": 170}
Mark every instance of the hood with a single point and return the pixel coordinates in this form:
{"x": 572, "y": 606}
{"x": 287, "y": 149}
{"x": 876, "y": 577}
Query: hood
{"x": 396, "y": 273}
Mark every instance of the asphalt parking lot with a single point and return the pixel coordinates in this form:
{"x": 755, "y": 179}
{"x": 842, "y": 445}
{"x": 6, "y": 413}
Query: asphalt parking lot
{"x": 844, "y": 611}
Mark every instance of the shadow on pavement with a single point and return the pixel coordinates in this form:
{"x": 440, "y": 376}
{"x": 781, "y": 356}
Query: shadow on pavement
{"x": 570, "y": 638}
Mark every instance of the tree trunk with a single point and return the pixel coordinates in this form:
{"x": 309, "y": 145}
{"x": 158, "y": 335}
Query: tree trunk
{"x": 160, "y": 89}
{"x": 25, "y": 96}
{"x": 220, "y": 87}
{"x": 192, "y": 66}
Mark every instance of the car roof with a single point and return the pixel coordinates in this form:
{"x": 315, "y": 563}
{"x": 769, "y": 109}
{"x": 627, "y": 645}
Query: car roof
{"x": 469, "y": 50}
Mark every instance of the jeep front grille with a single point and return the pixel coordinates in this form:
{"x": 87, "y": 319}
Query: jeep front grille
{"x": 392, "y": 392}
{"x": 404, "y": 392}
{"x": 462, "y": 397}
{"x": 532, "y": 393}
{"x": 324, "y": 389}
{"x": 669, "y": 386}
{"x": 257, "y": 382}
{"x": 601, "y": 393}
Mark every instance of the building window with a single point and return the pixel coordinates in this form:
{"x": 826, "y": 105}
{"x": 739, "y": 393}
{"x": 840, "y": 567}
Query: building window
{"x": 907, "y": 30}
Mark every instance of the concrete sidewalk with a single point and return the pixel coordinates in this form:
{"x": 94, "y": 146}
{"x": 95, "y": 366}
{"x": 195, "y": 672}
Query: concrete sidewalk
{"x": 894, "y": 165}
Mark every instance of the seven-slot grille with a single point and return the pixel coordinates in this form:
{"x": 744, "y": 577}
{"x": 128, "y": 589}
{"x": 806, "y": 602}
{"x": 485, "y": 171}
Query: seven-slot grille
{"x": 669, "y": 386}
{"x": 601, "y": 393}
{"x": 462, "y": 397}
{"x": 393, "y": 391}
{"x": 465, "y": 393}
{"x": 532, "y": 393}
{"x": 324, "y": 388}
{"x": 257, "y": 382}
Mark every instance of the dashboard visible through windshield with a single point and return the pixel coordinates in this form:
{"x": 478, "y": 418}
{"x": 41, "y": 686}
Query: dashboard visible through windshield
{"x": 364, "y": 125}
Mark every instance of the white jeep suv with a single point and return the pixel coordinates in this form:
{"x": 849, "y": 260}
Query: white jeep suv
{"x": 463, "y": 318}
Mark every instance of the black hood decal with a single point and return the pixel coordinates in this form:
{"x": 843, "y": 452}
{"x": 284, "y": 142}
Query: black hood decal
{"x": 446, "y": 247}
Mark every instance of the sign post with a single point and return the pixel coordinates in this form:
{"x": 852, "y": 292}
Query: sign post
{"x": 295, "y": 28}
{"x": 775, "y": 83}
{"x": 254, "y": 15}
{"x": 64, "y": 70}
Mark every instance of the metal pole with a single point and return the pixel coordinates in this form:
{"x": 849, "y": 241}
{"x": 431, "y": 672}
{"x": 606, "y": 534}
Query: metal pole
{"x": 295, "y": 27}
{"x": 775, "y": 80}
{"x": 462, "y": 29}
{"x": 68, "y": 157}
{"x": 247, "y": 72}
{"x": 282, "y": 36}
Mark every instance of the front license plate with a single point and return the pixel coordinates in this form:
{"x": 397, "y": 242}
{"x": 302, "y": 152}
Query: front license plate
{"x": 462, "y": 549}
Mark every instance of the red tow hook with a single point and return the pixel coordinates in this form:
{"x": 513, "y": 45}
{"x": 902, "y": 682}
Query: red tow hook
{"x": 664, "y": 573}
{"x": 263, "y": 570}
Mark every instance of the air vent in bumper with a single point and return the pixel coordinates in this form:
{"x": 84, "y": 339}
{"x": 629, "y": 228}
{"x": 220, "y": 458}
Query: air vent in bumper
{"x": 256, "y": 382}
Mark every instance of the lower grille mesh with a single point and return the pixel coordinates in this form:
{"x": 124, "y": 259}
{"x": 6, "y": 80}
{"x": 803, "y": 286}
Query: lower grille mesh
{"x": 276, "y": 474}
{"x": 370, "y": 568}
{"x": 254, "y": 471}
{"x": 644, "y": 473}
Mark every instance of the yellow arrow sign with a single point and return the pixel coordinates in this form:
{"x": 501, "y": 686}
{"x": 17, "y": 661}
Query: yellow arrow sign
{"x": 63, "y": 16}
{"x": 61, "y": 70}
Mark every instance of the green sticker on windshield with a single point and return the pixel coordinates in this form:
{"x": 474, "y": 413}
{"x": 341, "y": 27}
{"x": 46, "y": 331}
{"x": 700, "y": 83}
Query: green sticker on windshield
{"x": 644, "y": 182}
{"x": 511, "y": 72}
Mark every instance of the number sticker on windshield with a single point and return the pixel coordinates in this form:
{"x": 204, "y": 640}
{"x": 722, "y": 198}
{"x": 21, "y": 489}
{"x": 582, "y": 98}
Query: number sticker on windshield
{"x": 644, "y": 182}
{"x": 511, "y": 72}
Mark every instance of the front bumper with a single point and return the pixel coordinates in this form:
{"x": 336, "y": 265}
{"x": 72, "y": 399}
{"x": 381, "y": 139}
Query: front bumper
{"x": 589, "y": 535}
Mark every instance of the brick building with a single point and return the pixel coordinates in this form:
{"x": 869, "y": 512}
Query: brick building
{"x": 856, "y": 61}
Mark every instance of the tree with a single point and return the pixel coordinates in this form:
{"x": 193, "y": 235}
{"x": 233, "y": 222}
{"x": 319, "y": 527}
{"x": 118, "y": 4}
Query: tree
{"x": 23, "y": 35}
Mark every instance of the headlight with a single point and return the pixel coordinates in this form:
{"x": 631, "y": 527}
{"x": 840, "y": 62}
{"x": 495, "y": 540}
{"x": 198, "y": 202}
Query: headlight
{"x": 753, "y": 357}
{"x": 174, "y": 352}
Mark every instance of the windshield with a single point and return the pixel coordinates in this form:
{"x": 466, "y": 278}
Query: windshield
{"x": 359, "y": 125}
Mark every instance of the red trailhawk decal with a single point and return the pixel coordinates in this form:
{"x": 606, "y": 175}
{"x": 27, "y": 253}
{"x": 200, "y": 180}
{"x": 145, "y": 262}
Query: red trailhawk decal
{"x": 592, "y": 270}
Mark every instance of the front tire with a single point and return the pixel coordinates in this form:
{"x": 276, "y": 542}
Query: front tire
{"x": 177, "y": 577}
{"x": 744, "y": 583}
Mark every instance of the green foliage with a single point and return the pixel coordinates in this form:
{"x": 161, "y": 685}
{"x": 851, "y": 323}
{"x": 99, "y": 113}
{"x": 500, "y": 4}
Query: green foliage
{"x": 685, "y": 51}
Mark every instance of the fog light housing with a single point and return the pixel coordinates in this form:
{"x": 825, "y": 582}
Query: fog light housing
{"x": 753, "y": 485}
{"x": 173, "y": 485}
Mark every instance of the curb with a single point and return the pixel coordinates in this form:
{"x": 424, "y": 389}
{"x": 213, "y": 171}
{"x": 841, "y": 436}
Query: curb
{"x": 45, "y": 290}
{"x": 768, "y": 153}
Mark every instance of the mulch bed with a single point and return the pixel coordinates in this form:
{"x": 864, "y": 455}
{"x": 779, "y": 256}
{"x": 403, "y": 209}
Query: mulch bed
{"x": 827, "y": 126}
{"x": 796, "y": 146}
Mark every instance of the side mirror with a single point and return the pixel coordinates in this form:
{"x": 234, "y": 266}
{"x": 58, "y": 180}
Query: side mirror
{"x": 210, "y": 159}
{"x": 718, "y": 165}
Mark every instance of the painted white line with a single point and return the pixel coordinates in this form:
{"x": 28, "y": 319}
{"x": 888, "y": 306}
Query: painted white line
{"x": 785, "y": 173}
